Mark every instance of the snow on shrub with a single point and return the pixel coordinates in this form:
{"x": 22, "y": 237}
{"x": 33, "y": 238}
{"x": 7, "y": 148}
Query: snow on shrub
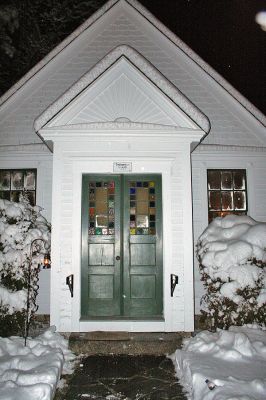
{"x": 232, "y": 257}
{"x": 20, "y": 224}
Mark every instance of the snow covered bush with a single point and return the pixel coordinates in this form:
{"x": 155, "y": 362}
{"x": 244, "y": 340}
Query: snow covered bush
{"x": 232, "y": 258}
{"x": 20, "y": 224}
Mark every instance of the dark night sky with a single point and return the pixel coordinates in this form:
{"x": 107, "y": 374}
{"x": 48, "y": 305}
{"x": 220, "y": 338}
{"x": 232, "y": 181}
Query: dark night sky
{"x": 223, "y": 32}
{"x": 225, "y": 35}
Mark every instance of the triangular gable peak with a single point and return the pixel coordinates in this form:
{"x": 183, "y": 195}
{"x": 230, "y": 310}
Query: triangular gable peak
{"x": 122, "y": 87}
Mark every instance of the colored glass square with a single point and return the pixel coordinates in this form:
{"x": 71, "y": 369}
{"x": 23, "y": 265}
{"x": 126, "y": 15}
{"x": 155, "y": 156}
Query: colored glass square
{"x": 105, "y": 231}
{"x": 92, "y": 224}
{"x": 151, "y": 184}
{"x": 91, "y": 231}
{"x": 146, "y": 184}
{"x": 111, "y": 224}
{"x": 132, "y": 204}
{"x": 132, "y": 190}
{"x": 111, "y": 231}
{"x": 152, "y": 211}
{"x": 98, "y": 231}
{"x": 132, "y": 217}
{"x": 111, "y": 211}
{"x": 152, "y": 197}
{"x": 98, "y": 184}
{"x": 132, "y": 224}
{"x": 92, "y": 184}
{"x": 132, "y": 197}
{"x": 152, "y": 203}
{"x": 105, "y": 184}
{"x": 111, "y": 197}
{"x": 145, "y": 231}
{"x": 152, "y": 224}
{"x": 92, "y": 210}
{"x": 139, "y": 184}
{"x": 139, "y": 231}
{"x": 152, "y": 190}
{"x": 132, "y": 184}
{"x": 152, "y": 217}
{"x": 111, "y": 203}
{"x": 152, "y": 231}
{"x": 142, "y": 221}
{"x": 111, "y": 184}
{"x": 132, "y": 211}
{"x": 92, "y": 203}
{"x": 132, "y": 231}
{"x": 111, "y": 191}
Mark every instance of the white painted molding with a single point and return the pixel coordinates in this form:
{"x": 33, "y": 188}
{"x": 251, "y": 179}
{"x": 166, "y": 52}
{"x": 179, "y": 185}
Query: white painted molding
{"x": 224, "y": 149}
{"x": 137, "y": 61}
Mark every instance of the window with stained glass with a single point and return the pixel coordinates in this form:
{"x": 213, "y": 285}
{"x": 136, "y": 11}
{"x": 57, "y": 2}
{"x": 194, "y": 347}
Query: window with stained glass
{"x": 14, "y": 182}
{"x": 102, "y": 208}
{"x": 227, "y": 192}
{"x": 142, "y": 207}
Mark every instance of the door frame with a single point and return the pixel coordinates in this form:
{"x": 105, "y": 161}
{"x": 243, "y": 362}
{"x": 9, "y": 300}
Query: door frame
{"x": 96, "y": 165}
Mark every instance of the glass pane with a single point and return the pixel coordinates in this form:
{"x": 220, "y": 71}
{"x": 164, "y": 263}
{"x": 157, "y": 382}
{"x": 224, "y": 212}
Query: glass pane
{"x": 214, "y": 180}
{"x": 4, "y": 180}
{"x": 240, "y": 200}
{"x": 226, "y": 180}
{"x": 14, "y": 196}
{"x": 101, "y": 221}
{"x": 142, "y": 221}
{"x": 239, "y": 180}
{"x": 214, "y": 200}
{"x": 31, "y": 197}
{"x": 142, "y": 208}
{"x": 227, "y": 200}
{"x": 142, "y": 194}
{"x": 17, "y": 180}
{"x": 101, "y": 208}
{"x": 29, "y": 180}
{"x": 5, "y": 195}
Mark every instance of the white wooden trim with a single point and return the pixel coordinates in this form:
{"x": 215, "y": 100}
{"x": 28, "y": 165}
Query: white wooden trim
{"x": 143, "y": 166}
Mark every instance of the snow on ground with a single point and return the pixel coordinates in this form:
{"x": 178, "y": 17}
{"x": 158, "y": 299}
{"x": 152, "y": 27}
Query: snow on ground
{"x": 32, "y": 372}
{"x": 234, "y": 361}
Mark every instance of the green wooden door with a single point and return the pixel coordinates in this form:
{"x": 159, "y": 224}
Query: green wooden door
{"x": 121, "y": 246}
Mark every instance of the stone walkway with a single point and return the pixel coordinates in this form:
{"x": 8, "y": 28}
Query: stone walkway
{"x": 124, "y": 377}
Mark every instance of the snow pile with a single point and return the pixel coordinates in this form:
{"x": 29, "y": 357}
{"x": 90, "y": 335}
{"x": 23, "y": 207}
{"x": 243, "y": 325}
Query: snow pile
{"x": 234, "y": 361}
{"x": 232, "y": 255}
{"x": 32, "y": 372}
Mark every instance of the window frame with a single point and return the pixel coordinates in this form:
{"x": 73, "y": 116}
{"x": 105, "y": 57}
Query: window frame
{"x": 221, "y": 212}
{"x": 10, "y": 190}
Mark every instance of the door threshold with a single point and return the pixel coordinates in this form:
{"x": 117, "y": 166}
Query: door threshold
{"x": 121, "y": 318}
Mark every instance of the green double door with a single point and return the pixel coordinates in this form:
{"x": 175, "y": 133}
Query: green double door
{"x": 121, "y": 246}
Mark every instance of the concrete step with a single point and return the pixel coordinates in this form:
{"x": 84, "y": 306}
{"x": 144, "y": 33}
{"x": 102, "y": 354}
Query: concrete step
{"x": 104, "y": 343}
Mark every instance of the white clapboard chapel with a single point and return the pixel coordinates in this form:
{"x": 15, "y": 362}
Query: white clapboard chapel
{"x": 136, "y": 144}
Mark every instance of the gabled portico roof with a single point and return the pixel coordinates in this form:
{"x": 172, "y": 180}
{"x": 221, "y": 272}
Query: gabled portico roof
{"x": 185, "y": 106}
